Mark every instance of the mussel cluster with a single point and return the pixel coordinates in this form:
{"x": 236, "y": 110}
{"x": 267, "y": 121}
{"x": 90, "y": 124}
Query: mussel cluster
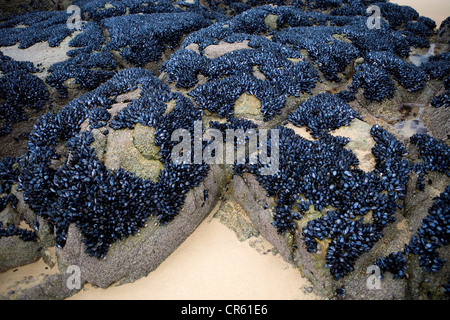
{"x": 89, "y": 65}
{"x": 331, "y": 56}
{"x": 438, "y": 67}
{"x": 88, "y": 70}
{"x": 332, "y": 43}
{"x": 12, "y": 230}
{"x": 435, "y": 156}
{"x": 321, "y": 4}
{"x": 253, "y": 22}
{"x": 11, "y": 198}
{"x": 354, "y": 237}
{"x": 106, "y": 205}
{"x": 91, "y": 38}
{"x": 397, "y": 15}
{"x": 375, "y": 76}
{"x": 423, "y": 27}
{"x": 234, "y": 124}
{"x": 98, "y": 10}
{"x": 406, "y": 74}
{"x": 9, "y": 174}
{"x": 322, "y": 175}
{"x": 142, "y": 38}
{"x": 247, "y": 127}
{"x": 350, "y": 8}
{"x": 383, "y": 39}
{"x": 376, "y": 82}
{"x": 441, "y": 100}
{"x": 394, "y": 263}
{"x": 20, "y": 89}
{"x": 323, "y": 113}
{"x": 434, "y": 233}
{"x": 283, "y": 51}
{"x": 33, "y": 27}
{"x": 232, "y": 74}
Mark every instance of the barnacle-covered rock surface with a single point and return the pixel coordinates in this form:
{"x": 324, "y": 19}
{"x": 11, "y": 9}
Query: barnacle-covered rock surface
{"x": 362, "y": 183}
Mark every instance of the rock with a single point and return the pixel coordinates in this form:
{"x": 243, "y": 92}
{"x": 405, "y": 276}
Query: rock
{"x": 144, "y": 141}
{"x": 436, "y": 120}
{"x": 258, "y": 74}
{"x": 15, "y": 252}
{"x": 300, "y": 131}
{"x": 248, "y": 106}
{"x": 232, "y": 215}
{"x": 249, "y": 195}
{"x": 126, "y": 149}
{"x": 51, "y": 286}
{"x": 99, "y": 144}
{"x": 257, "y": 66}
{"x": 214, "y": 51}
{"x": 247, "y": 192}
{"x": 8, "y": 215}
{"x": 271, "y": 21}
{"x": 422, "y": 284}
{"x": 361, "y": 142}
{"x": 136, "y": 256}
{"x": 41, "y": 54}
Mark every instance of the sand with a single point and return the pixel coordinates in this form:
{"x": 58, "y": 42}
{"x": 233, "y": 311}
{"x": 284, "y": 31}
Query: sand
{"x": 213, "y": 264}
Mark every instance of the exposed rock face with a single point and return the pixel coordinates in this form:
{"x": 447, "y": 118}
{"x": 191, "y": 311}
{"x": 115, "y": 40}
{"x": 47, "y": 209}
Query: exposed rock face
{"x": 14, "y": 251}
{"x": 354, "y": 189}
{"x": 134, "y": 151}
{"x": 361, "y": 142}
{"x": 419, "y": 284}
{"x": 248, "y": 106}
{"x": 13, "y": 7}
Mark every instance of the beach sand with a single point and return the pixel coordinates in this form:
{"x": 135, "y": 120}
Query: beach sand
{"x": 213, "y": 264}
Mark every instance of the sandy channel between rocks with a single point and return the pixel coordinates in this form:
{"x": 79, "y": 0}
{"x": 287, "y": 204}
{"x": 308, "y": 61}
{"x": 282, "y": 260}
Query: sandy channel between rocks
{"x": 213, "y": 264}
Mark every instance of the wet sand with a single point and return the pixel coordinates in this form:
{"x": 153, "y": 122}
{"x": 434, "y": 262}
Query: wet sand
{"x": 41, "y": 54}
{"x": 438, "y": 10}
{"x": 213, "y": 264}
{"x": 27, "y": 276}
